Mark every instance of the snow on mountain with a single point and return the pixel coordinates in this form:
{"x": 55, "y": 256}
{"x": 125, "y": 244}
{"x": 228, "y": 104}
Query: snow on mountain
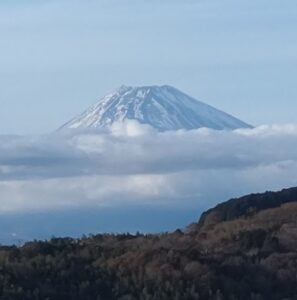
{"x": 162, "y": 107}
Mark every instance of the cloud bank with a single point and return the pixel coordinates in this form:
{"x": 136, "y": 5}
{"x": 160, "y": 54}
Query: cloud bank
{"x": 134, "y": 164}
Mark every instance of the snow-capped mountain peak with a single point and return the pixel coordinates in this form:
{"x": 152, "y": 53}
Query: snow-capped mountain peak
{"x": 162, "y": 107}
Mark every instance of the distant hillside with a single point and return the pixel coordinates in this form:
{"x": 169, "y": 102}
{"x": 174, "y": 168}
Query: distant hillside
{"x": 243, "y": 249}
{"x": 247, "y": 206}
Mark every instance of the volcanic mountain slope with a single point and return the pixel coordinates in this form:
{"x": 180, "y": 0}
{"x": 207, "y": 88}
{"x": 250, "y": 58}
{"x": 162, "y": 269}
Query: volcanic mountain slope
{"x": 162, "y": 107}
{"x": 243, "y": 249}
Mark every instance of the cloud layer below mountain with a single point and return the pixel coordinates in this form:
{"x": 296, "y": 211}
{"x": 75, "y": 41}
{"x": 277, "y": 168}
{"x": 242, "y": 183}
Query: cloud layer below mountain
{"x": 134, "y": 164}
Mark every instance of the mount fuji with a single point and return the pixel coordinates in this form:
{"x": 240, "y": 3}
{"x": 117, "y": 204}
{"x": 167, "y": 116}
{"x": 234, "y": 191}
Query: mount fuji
{"x": 162, "y": 107}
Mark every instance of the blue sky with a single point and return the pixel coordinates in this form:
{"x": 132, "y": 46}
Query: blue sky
{"x": 58, "y": 57}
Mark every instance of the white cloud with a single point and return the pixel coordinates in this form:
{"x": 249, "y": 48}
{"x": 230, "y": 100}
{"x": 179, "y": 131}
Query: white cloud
{"x": 130, "y": 128}
{"x": 135, "y": 164}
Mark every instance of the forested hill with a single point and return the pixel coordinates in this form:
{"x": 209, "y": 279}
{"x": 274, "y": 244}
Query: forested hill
{"x": 247, "y": 205}
{"x": 243, "y": 249}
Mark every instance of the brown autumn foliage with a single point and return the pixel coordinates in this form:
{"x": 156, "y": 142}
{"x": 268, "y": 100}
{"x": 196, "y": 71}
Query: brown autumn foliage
{"x": 242, "y": 249}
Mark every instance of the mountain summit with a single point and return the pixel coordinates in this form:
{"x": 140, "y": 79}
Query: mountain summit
{"x": 162, "y": 107}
